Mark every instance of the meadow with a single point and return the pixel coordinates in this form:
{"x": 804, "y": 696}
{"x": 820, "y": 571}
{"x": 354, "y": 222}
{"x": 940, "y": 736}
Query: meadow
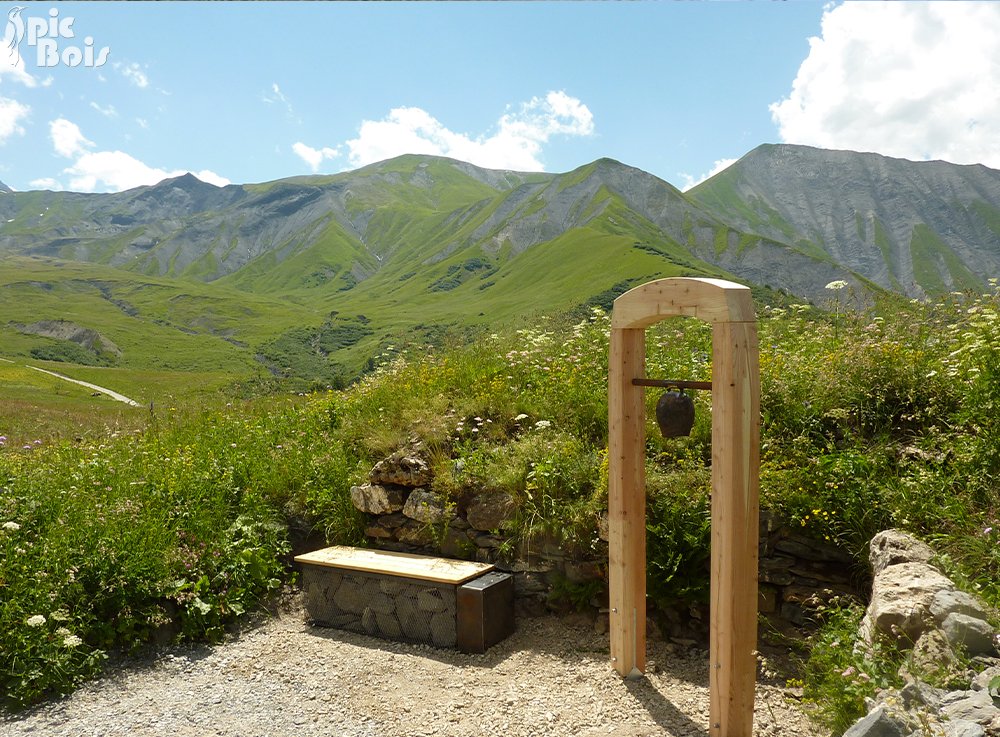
{"x": 172, "y": 526}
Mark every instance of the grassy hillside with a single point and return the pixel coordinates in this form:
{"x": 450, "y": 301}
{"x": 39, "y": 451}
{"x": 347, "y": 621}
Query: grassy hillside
{"x": 157, "y": 323}
{"x": 887, "y": 418}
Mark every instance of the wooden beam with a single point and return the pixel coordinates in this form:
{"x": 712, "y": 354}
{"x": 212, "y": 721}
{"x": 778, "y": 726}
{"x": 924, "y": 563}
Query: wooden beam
{"x": 735, "y": 500}
{"x": 627, "y": 502}
{"x": 711, "y": 300}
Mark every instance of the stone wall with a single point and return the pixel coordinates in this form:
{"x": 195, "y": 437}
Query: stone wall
{"x": 797, "y": 574}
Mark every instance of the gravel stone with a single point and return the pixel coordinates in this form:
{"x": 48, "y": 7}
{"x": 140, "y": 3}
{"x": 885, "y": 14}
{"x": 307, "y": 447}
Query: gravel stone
{"x": 281, "y": 677}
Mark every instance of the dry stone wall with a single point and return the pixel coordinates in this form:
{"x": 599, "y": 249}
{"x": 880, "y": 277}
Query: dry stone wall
{"x": 798, "y": 575}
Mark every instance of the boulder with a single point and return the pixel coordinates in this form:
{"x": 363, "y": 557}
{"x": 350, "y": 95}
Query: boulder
{"x": 976, "y": 635}
{"x": 377, "y": 499}
{"x": 963, "y": 728}
{"x": 953, "y": 601}
{"x": 415, "y": 534}
{"x": 901, "y": 600}
{"x": 403, "y": 467}
{"x": 878, "y": 723}
{"x": 425, "y": 506}
{"x": 892, "y": 547}
{"x": 934, "y": 655}
{"x": 982, "y": 680}
{"x": 492, "y": 511}
{"x": 972, "y": 706}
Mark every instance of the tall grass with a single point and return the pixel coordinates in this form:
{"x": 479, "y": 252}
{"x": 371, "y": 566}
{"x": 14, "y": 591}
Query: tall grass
{"x": 171, "y": 532}
{"x": 874, "y": 419}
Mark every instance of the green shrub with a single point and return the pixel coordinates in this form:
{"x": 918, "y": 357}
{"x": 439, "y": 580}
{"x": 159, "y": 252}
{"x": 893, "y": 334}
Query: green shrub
{"x": 840, "y": 673}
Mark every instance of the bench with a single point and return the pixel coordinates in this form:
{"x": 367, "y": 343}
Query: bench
{"x": 410, "y": 598}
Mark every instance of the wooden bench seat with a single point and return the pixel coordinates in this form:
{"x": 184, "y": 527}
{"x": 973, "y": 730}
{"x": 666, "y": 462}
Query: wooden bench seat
{"x": 407, "y": 597}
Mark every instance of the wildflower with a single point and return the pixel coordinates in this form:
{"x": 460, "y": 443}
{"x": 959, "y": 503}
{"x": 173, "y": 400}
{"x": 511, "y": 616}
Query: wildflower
{"x": 838, "y": 284}
{"x": 35, "y": 620}
{"x": 12, "y": 526}
{"x": 62, "y": 632}
{"x": 72, "y": 641}
{"x": 848, "y": 672}
{"x": 988, "y": 530}
{"x": 38, "y": 442}
{"x": 542, "y": 424}
{"x": 520, "y": 417}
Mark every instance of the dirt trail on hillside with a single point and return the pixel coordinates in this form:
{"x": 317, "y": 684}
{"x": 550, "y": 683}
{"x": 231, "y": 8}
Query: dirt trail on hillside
{"x": 113, "y": 394}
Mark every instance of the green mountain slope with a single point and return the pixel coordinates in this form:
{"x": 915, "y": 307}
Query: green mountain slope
{"x": 315, "y": 275}
{"x": 155, "y": 323}
{"x": 919, "y": 228}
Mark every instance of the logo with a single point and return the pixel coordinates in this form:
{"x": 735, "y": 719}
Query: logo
{"x": 52, "y": 39}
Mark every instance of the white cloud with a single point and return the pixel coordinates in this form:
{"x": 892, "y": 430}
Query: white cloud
{"x": 45, "y": 183}
{"x": 914, "y": 80}
{"x": 142, "y": 123}
{"x": 277, "y": 97}
{"x": 515, "y": 143}
{"x": 690, "y": 181}
{"x": 12, "y": 113}
{"x": 108, "y": 170}
{"x": 133, "y": 73}
{"x": 67, "y": 138}
{"x": 314, "y": 156}
{"x": 107, "y": 112}
{"x": 117, "y": 171}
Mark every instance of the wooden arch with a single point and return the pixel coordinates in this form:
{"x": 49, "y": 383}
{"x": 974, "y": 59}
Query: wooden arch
{"x": 735, "y": 485}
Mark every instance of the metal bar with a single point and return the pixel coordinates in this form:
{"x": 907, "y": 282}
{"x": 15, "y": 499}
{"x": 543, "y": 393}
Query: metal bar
{"x": 679, "y": 384}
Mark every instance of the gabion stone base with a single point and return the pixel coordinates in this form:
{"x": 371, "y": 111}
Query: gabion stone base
{"x": 389, "y": 607}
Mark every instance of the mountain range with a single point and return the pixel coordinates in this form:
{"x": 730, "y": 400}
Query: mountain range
{"x": 314, "y": 275}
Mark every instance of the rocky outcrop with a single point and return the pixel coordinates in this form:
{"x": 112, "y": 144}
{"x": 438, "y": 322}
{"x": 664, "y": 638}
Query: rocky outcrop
{"x": 66, "y": 330}
{"x": 911, "y": 598}
{"x": 917, "y": 606}
{"x": 911, "y": 227}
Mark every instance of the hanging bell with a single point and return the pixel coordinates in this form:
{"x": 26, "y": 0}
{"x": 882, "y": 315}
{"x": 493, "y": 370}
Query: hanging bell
{"x": 675, "y": 414}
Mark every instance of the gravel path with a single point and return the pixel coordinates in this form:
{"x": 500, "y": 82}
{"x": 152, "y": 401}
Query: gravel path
{"x": 283, "y": 678}
{"x": 114, "y": 395}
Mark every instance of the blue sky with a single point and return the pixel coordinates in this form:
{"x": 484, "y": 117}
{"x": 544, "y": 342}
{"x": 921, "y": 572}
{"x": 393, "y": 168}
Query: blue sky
{"x": 250, "y": 92}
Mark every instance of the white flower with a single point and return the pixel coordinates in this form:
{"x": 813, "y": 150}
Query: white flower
{"x": 62, "y": 632}
{"x": 520, "y": 417}
{"x": 72, "y": 641}
{"x": 36, "y": 620}
{"x": 542, "y": 424}
{"x": 11, "y": 526}
{"x": 839, "y": 284}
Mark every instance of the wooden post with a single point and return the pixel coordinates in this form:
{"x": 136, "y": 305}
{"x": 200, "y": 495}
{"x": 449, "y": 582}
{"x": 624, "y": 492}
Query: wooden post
{"x": 735, "y": 528}
{"x": 735, "y": 485}
{"x": 627, "y": 503}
